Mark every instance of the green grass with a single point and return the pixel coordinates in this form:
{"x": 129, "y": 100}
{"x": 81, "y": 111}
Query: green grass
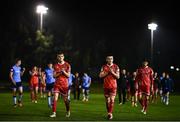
{"x": 93, "y": 110}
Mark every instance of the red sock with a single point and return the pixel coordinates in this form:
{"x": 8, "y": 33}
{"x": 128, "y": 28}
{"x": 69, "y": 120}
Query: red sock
{"x": 32, "y": 96}
{"x": 54, "y": 105}
{"x": 145, "y": 104}
{"x": 67, "y": 104}
{"x": 141, "y": 101}
{"x": 111, "y": 106}
{"x": 35, "y": 96}
{"x": 107, "y": 106}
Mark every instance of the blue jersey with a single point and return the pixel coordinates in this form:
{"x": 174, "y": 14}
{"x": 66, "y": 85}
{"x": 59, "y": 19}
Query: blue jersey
{"x": 49, "y": 76}
{"x": 16, "y": 70}
{"x": 70, "y": 79}
{"x": 86, "y": 81}
{"x": 167, "y": 84}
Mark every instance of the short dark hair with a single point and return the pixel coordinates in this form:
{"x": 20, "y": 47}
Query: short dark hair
{"x": 17, "y": 59}
{"x": 60, "y": 53}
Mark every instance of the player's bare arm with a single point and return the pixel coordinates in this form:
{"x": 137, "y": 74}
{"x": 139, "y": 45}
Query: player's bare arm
{"x": 11, "y": 77}
{"x": 23, "y": 71}
{"x": 103, "y": 74}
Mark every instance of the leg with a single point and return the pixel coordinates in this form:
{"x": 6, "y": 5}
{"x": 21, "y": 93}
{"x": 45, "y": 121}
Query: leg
{"x": 146, "y": 102}
{"x": 132, "y": 100}
{"x": 167, "y": 98}
{"x": 20, "y": 96}
{"x": 107, "y": 103}
{"x": 36, "y": 93}
{"x": 49, "y": 99}
{"x": 44, "y": 91}
{"x": 67, "y": 104}
{"x": 56, "y": 95}
{"x": 124, "y": 95}
{"x": 32, "y": 95}
{"x": 41, "y": 94}
{"x": 69, "y": 94}
{"x": 87, "y": 94}
{"x": 119, "y": 95}
{"x": 141, "y": 101}
{"x": 14, "y": 97}
{"x": 135, "y": 98}
{"x": 78, "y": 92}
{"x": 111, "y": 106}
{"x": 83, "y": 92}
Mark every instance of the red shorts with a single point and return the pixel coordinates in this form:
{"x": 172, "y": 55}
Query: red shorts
{"x": 144, "y": 90}
{"x": 110, "y": 92}
{"x": 62, "y": 90}
{"x": 33, "y": 85}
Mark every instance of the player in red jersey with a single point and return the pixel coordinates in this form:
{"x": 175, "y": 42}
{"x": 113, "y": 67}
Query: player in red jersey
{"x": 61, "y": 73}
{"x": 110, "y": 73}
{"x": 145, "y": 80}
{"x": 34, "y": 83}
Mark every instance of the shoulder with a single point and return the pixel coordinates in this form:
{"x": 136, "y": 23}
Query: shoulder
{"x": 116, "y": 66}
{"x": 67, "y": 64}
{"x": 12, "y": 68}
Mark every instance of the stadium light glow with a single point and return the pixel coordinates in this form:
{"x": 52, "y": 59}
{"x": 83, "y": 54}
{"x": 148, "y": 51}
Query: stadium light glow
{"x": 152, "y": 27}
{"x": 177, "y": 69}
{"x": 41, "y": 9}
{"x": 171, "y": 67}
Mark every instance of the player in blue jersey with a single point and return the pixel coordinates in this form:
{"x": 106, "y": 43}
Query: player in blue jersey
{"x": 70, "y": 83}
{"x": 86, "y": 82}
{"x": 49, "y": 82}
{"x": 167, "y": 86}
{"x": 15, "y": 77}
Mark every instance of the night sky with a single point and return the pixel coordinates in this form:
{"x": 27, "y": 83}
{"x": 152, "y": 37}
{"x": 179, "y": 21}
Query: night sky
{"x": 121, "y": 26}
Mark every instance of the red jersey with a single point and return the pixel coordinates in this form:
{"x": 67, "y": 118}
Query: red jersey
{"x": 110, "y": 80}
{"x": 144, "y": 76}
{"x": 34, "y": 78}
{"x": 62, "y": 80}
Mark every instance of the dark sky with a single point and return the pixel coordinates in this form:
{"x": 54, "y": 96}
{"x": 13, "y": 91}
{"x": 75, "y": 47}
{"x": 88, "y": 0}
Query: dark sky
{"x": 123, "y": 25}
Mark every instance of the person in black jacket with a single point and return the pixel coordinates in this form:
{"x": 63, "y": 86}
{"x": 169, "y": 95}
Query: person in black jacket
{"x": 122, "y": 87}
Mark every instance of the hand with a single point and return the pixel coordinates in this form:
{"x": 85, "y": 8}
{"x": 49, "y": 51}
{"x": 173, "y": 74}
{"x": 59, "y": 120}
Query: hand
{"x": 24, "y": 69}
{"x": 111, "y": 70}
{"x": 14, "y": 82}
{"x": 152, "y": 89}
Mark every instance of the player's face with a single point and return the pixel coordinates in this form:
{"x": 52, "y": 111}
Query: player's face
{"x": 123, "y": 71}
{"x": 50, "y": 65}
{"x": 60, "y": 57}
{"x": 145, "y": 63}
{"x": 163, "y": 74}
{"x": 35, "y": 68}
{"x": 77, "y": 74}
{"x": 134, "y": 73}
{"x": 109, "y": 59}
{"x": 19, "y": 62}
{"x": 167, "y": 76}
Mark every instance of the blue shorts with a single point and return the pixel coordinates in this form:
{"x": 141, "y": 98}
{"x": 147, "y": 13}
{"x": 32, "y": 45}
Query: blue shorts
{"x": 18, "y": 84}
{"x": 69, "y": 87}
{"x": 86, "y": 88}
{"x": 49, "y": 86}
{"x": 165, "y": 91}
